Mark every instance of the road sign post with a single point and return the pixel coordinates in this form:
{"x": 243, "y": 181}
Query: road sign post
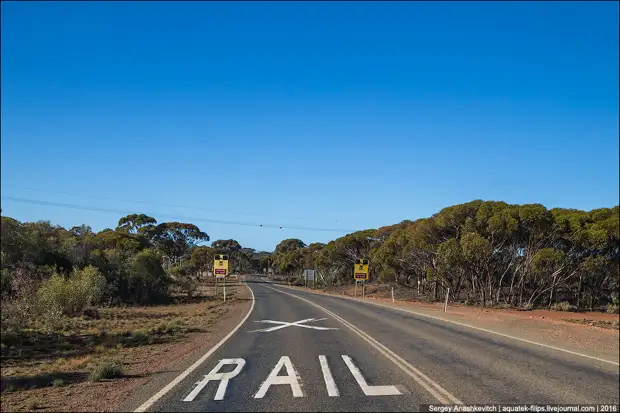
{"x": 220, "y": 269}
{"x": 360, "y": 274}
{"x": 309, "y": 275}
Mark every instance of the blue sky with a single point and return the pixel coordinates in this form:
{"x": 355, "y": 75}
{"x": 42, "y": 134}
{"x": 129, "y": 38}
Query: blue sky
{"x": 327, "y": 115}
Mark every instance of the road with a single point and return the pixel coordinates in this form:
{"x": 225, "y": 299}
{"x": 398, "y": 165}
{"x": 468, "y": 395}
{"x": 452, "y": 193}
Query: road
{"x": 333, "y": 354}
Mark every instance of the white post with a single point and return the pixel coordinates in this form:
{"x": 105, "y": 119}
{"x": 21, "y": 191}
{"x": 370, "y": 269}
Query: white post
{"x": 418, "y": 286}
{"x": 445, "y": 305}
{"x": 392, "y": 294}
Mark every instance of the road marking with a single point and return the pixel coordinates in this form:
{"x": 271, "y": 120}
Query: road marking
{"x": 291, "y": 378}
{"x": 369, "y": 390}
{"x": 574, "y": 353}
{"x": 213, "y": 375}
{"x": 284, "y": 324}
{"x": 147, "y": 404}
{"x": 441, "y": 394}
{"x": 332, "y": 390}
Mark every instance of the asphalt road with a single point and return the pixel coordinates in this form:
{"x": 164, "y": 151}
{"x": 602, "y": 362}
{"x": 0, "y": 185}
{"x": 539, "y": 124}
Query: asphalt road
{"x": 350, "y": 356}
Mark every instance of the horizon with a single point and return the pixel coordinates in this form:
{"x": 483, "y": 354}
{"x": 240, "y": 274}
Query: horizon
{"x": 341, "y": 116}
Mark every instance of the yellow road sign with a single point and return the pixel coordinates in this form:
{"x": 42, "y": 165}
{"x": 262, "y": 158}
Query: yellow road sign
{"x": 360, "y": 270}
{"x": 220, "y": 265}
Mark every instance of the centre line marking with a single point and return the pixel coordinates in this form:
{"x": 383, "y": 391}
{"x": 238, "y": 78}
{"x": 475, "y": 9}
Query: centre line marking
{"x": 441, "y": 394}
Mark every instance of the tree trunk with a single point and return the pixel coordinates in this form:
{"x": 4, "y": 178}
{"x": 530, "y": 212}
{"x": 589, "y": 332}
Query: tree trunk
{"x": 551, "y": 293}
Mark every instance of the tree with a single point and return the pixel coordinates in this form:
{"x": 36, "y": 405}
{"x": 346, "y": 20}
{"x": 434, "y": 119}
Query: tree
{"x": 136, "y": 224}
{"x": 175, "y": 239}
{"x": 202, "y": 258}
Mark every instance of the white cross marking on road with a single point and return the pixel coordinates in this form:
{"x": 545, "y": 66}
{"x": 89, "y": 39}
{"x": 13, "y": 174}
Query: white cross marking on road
{"x": 284, "y": 324}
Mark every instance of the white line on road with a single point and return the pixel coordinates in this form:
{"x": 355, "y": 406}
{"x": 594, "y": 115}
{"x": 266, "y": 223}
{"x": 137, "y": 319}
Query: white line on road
{"x": 332, "y": 390}
{"x": 470, "y": 326}
{"x": 284, "y": 324}
{"x": 147, "y": 404}
{"x": 291, "y": 378}
{"x": 215, "y": 375}
{"x": 441, "y": 394}
{"x": 368, "y": 390}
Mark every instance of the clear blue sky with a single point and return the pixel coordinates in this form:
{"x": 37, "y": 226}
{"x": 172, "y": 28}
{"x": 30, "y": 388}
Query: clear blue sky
{"x": 348, "y": 115}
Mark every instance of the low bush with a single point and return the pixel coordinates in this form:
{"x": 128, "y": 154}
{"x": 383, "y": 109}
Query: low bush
{"x": 72, "y": 294}
{"x": 58, "y": 383}
{"x": 137, "y": 338}
{"x": 107, "y": 369}
{"x": 613, "y": 308}
{"x": 563, "y": 306}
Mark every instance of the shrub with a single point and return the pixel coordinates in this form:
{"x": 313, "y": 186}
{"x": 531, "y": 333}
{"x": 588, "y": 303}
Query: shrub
{"x": 527, "y": 306}
{"x": 107, "y": 369}
{"x": 145, "y": 281}
{"x": 137, "y": 338}
{"x": 33, "y": 404}
{"x": 613, "y": 308}
{"x": 563, "y": 306}
{"x": 72, "y": 294}
{"x": 58, "y": 383}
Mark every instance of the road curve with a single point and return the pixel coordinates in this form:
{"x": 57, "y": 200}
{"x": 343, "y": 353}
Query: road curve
{"x": 350, "y": 356}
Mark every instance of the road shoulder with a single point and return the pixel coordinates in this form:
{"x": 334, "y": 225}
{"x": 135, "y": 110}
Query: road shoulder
{"x": 147, "y": 367}
{"x": 199, "y": 346}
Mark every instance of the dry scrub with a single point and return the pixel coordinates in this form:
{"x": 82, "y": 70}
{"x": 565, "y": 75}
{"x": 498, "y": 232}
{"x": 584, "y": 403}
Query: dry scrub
{"x": 101, "y": 346}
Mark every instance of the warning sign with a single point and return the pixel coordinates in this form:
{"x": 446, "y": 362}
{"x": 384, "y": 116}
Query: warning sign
{"x": 360, "y": 270}
{"x": 220, "y": 265}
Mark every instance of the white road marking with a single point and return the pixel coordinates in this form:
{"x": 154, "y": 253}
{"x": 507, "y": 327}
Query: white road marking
{"x": 216, "y": 375}
{"x": 369, "y": 390}
{"x": 441, "y": 394}
{"x": 284, "y": 324}
{"x": 574, "y": 353}
{"x": 147, "y": 404}
{"x": 332, "y": 390}
{"x": 291, "y": 378}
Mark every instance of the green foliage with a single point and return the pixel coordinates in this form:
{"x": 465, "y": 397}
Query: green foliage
{"x": 175, "y": 239}
{"x": 58, "y": 382}
{"x": 106, "y": 369}
{"x": 71, "y": 294}
{"x": 184, "y": 276}
{"x": 145, "y": 281}
{"x": 486, "y": 252}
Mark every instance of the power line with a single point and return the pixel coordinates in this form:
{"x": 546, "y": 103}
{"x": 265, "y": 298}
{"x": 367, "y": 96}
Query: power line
{"x": 163, "y": 204}
{"x": 175, "y": 217}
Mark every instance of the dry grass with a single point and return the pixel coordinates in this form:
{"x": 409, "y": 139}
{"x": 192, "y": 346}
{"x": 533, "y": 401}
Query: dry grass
{"x": 39, "y": 358}
{"x": 611, "y": 325}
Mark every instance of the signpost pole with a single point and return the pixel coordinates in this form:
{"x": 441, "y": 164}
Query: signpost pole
{"x": 224, "y": 289}
{"x": 355, "y": 294}
{"x": 363, "y": 288}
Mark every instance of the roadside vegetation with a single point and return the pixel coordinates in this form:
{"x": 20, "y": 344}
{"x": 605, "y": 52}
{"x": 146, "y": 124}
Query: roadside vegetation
{"x": 487, "y": 253}
{"x": 76, "y": 304}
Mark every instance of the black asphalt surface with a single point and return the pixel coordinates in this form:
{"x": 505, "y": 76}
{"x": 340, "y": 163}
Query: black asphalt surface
{"x": 467, "y": 365}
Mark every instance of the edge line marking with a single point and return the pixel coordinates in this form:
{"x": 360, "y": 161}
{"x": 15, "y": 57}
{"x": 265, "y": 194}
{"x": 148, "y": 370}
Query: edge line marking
{"x": 147, "y": 404}
{"x": 468, "y": 326}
